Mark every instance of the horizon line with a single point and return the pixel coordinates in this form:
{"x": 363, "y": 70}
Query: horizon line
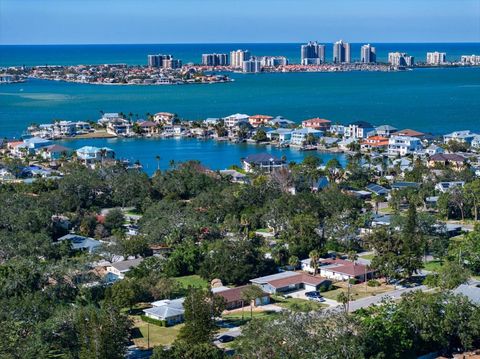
{"x": 234, "y": 43}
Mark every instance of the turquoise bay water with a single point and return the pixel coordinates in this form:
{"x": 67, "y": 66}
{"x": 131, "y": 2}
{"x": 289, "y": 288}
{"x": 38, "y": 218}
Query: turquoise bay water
{"x": 212, "y": 154}
{"x": 430, "y": 100}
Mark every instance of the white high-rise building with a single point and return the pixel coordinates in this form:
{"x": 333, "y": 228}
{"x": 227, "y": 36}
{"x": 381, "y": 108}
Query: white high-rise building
{"x": 341, "y": 52}
{"x": 252, "y": 66}
{"x": 400, "y": 59}
{"x": 273, "y": 61}
{"x": 312, "y": 53}
{"x": 470, "y": 59}
{"x": 368, "y": 54}
{"x": 214, "y": 59}
{"x": 238, "y": 57}
{"x": 436, "y": 58}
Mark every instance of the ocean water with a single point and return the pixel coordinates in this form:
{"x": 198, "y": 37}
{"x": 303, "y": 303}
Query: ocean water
{"x": 430, "y": 100}
{"x": 14, "y": 55}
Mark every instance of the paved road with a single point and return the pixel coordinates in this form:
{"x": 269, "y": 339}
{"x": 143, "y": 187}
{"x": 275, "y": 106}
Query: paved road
{"x": 366, "y": 302}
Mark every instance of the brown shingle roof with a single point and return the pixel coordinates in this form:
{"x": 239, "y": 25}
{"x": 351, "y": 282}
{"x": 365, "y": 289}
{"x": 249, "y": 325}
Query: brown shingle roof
{"x": 452, "y": 157}
{"x": 234, "y": 294}
{"x": 297, "y": 279}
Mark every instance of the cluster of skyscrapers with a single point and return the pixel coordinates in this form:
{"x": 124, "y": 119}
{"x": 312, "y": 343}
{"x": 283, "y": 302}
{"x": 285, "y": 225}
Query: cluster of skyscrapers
{"x": 313, "y": 53}
{"x": 164, "y": 61}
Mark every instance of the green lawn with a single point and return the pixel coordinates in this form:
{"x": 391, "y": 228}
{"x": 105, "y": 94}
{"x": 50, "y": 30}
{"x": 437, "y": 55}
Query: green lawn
{"x": 432, "y": 266}
{"x": 192, "y": 281}
{"x": 367, "y": 256}
{"x": 158, "y": 335}
{"x": 357, "y": 291}
{"x": 297, "y": 304}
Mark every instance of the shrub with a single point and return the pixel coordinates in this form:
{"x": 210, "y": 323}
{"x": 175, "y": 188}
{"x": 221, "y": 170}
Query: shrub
{"x": 160, "y": 323}
{"x": 353, "y": 281}
{"x": 373, "y": 283}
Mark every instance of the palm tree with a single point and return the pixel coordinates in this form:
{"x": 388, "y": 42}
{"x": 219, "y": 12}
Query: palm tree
{"x": 250, "y": 294}
{"x": 353, "y": 256}
{"x": 314, "y": 257}
{"x": 294, "y": 262}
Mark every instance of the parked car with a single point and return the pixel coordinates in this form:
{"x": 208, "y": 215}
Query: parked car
{"x": 226, "y": 338}
{"x": 312, "y": 294}
{"x": 317, "y": 299}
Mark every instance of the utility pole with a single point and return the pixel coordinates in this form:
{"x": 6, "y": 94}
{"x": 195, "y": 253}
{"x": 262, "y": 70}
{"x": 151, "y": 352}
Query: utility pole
{"x": 148, "y": 336}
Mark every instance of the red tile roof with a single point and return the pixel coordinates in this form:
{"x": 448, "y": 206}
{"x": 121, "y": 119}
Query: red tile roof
{"x": 344, "y": 267}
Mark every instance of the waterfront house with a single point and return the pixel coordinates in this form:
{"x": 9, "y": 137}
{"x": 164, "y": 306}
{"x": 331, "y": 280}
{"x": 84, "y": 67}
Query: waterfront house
{"x": 280, "y": 134}
{"x": 148, "y": 127}
{"x": 235, "y": 120}
{"x": 81, "y": 243}
{"x": 346, "y": 142}
{"x": 120, "y": 268}
{"x": 259, "y": 120}
{"x": 281, "y": 122}
{"x": 120, "y": 127}
{"x": 212, "y": 121}
{"x": 403, "y": 145}
{"x": 410, "y": 133}
{"x": 445, "y": 187}
{"x": 299, "y": 137}
{"x": 170, "y": 311}
{"x": 64, "y": 129}
{"x": 374, "y": 142}
{"x": 460, "y": 136}
{"x": 289, "y": 281}
{"x": 338, "y": 130}
{"x": 359, "y": 130}
{"x": 55, "y": 152}
{"x": 90, "y": 154}
{"x": 385, "y": 130}
{"x": 476, "y": 142}
{"x": 453, "y": 160}
{"x": 82, "y": 127}
{"x": 165, "y": 118}
{"x": 234, "y": 297}
{"x": 107, "y": 117}
{"x": 317, "y": 124}
{"x": 263, "y": 161}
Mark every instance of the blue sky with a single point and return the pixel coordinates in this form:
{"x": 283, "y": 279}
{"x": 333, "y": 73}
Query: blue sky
{"x": 208, "y": 21}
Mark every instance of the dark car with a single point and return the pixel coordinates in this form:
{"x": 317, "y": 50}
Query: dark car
{"x": 226, "y": 338}
{"x": 312, "y": 294}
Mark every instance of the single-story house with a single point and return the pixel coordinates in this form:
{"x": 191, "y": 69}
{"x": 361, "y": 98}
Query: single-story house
{"x": 401, "y": 185}
{"x": 446, "y": 159}
{"x": 341, "y": 269}
{"x": 470, "y": 290}
{"x": 289, "y": 281}
{"x": 233, "y": 297}
{"x": 448, "y": 186}
{"x": 55, "y": 152}
{"x": 377, "y": 189}
{"x": 236, "y": 177}
{"x": 170, "y": 311}
{"x": 121, "y": 267}
{"x": 81, "y": 243}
